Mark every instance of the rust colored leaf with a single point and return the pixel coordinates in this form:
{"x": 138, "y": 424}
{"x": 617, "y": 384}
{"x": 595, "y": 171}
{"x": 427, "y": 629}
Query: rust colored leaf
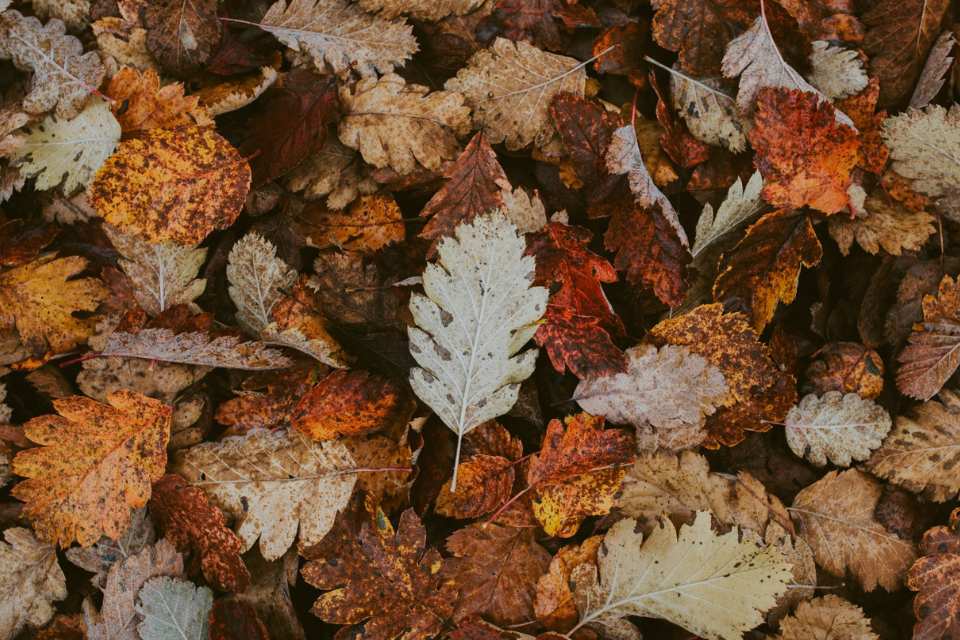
{"x": 862, "y": 109}
{"x": 676, "y": 140}
{"x": 540, "y": 22}
{"x": 349, "y": 403}
{"x": 186, "y": 517}
{"x": 804, "y": 154}
{"x": 621, "y": 49}
{"x": 554, "y": 605}
{"x": 847, "y": 367}
{"x": 935, "y": 576}
{"x": 370, "y": 224}
{"x": 764, "y": 268}
{"x": 267, "y": 401}
{"x": 236, "y": 620}
{"x": 484, "y": 482}
{"x": 932, "y": 355}
{"x": 181, "y": 36}
{"x": 21, "y": 242}
{"x": 141, "y": 103}
{"x": 699, "y": 30}
{"x": 172, "y": 185}
{"x": 93, "y": 467}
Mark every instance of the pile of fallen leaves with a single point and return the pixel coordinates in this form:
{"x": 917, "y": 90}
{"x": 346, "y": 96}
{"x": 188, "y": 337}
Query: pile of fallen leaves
{"x": 479, "y": 319}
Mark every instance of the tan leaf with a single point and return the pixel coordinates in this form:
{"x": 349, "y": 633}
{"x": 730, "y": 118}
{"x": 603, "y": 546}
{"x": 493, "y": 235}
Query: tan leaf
{"x": 30, "y": 582}
{"x": 920, "y": 143}
{"x": 835, "y": 71}
{"x": 934, "y": 71}
{"x": 74, "y": 13}
{"x": 553, "y": 604}
{"x": 932, "y": 354}
{"x": 830, "y": 618}
{"x": 710, "y": 114}
{"x": 236, "y": 93}
{"x": 835, "y": 426}
{"x": 336, "y": 172}
{"x": 194, "y": 348}
{"x": 888, "y": 225}
{"x": 257, "y": 279}
{"x": 106, "y": 552}
{"x": 426, "y": 10}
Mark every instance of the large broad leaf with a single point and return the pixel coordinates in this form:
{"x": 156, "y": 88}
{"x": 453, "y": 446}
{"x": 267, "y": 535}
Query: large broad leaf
{"x": 478, "y": 312}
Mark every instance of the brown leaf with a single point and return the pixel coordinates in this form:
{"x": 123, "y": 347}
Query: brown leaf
{"x": 935, "y": 578}
{"x": 189, "y": 521}
{"x": 236, "y": 620}
{"x": 699, "y": 31}
{"x": 554, "y": 605}
{"x": 484, "y": 482}
{"x": 352, "y": 289}
{"x": 350, "y": 403}
{"x": 371, "y": 223}
{"x": 265, "y": 401}
{"x": 848, "y": 367}
{"x": 621, "y": 49}
{"x": 181, "y": 36}
{"x": 141, "y": 103}
{"x": 931, "y": 355}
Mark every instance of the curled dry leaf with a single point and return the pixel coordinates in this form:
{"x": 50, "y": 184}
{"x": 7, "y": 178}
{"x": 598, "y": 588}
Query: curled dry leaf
{"x": 829, "y": 617}
{"x": 336, "y": 172}
{"x": 934, "y": 577}
{"x": 350, "y": 403}
{"x": 931, "y": 355}
{"x": 553, "y": 604}
{"x": 30, "y": 581}
{"x": 236, "y": 94}
{"x": 836, "y": 426}
{"x": 710, "y": 114}
{"x": 934, "y": 71}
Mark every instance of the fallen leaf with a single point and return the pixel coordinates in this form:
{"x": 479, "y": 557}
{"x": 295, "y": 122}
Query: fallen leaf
{"x": 231, "y": 619}
{"x": 829, "y": 617}
{"x": 848, "y": 367}
{"x": 349, "y": 403}
{"x": 370, "y": 224}
{"x": 888, "y": 225}
{"x": 699, "y": 31}
{"x": 140, "y": 102}
{"x": 484, "y": 483}
{"x": 933, "y": 576}
{"x": 741, "y": 204}
{"x": 173, "y": 609}
{"x": 296, "y": 323}
{"x": 934, "y": 71}
{"x": 931, "y": 355}
{"x": 836, "y": 426}
{"x": 918, "y": 141}
{"x": 553, "y": 603}
{"x": 106, "y": 552}
{"x": 335, "y": 172}
{"x": 711, "y": 115}
{"x": 30, "y": 581}
{"x": 181, "y": 36}
{"x": 237, "y": 93}
{"x": 835, "y": 71}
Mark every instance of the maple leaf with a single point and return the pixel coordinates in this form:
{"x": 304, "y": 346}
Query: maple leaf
{"x": 402, "y": 126}
{"x": 710, "y": 114}
{"x": 173, "y": 609}
{"x": 94, "y": 465}
{"x": 841, "y": 427}
{"x": 577, "y": 472}
{"x": 140, "y": 102}
{"x": 62, "y": 77}
{"x": 898, "y": 37}
{"x": 665, "y": 393}
{"x": 579, "y": 323}
{"x": 336, "y": 172}
{"x": 830, "y": 617}
{"x": 172, "y": 185}
{"x": 30, "y": 581}
{"x": 919, "y": 142}
{"x": 835, "y": 515}
{"x": 665, "y": 574}
{"x": 273, "y": 483}
{"x": 934, "y": 577}
{"x": 934, "y": 71}
{"x": 698, "y": 30}
{"x": 426, "y": 10}
{"x": 760, "y": 390}
{"x": 479, "y": 311}
{"x": 338, "y": 36}
{"x": 805, "y": 156}
{"x": 763, "y": 270}
{"x": 484, "y": 482}
{"x": 931, "y": 355}
{"x": 181, "y": 36}
{"x": 351, "y": 565}
{"x": 349, "y": 403}
{"x": 68, "y": 152}
{"x": 526, "y": 80}
{"x": 164, "y": 274}
{"x": 495, "y": 570}
{"x": 370, "y": 224}
{"x": 836, "y": 72}
{"x": 917, "y": 453}
{"x": 888, "y": 225}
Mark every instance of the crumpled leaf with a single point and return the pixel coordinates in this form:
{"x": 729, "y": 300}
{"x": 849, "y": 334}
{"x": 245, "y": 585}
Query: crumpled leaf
{"x": 141, "y": 103}
{"x": 106, "y": 552}
{"x": 698, "y": 30}
{"x": 338, "y": 36}
{"x": 350, "y": 403}
{"x": 30, "y": 581}
{"x": 849, "y": 367}
{"x": 94, "y": 465}
{"x": 710, "y": 114}
{"x": 273, "y": 483}
{"x": 827, "y": 617}
{"x": 173, "y": 609}
{"x": 920, "y": 141}
{"x": 931, "y": 355}
{"x": 934, "y": 71}
{"x": 553, "y": 603}
{"x": 296, "y": 323}
{"x": 835, "y": 515}
{"x": 67, "y": 153}
{"x": 665, "y": 393}
{"x": 426, "y": 10}
{"x": 934, "y": 577}
{"x": 483, "y": 265}
{"x": 836, "y": 426}
{"x": 525, "y": 79}
{"x": 835, "y": 71}
{"x": 172, "y": 185}
{"x": 181, "y": 36}
{"x": 920, "y": 453}
{"x": 495, "y": 568}
{"x": 888, "y": 225}
{"x": 370, "y": 224}
{"x": 62, "y": 77}
{"x": 164, "y": 274}
{"x": 716, "y": 586}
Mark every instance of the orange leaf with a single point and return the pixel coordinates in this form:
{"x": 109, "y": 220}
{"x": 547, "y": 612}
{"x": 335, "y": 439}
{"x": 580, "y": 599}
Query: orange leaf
{"x": 349, "y": 403}
{"x": 141, "y": 103}
{"x": 484, "y": 483}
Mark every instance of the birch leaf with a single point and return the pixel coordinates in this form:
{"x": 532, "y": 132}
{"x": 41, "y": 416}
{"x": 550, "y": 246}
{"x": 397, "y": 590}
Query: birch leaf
{"x": 741, "y": 204}
{"x": 173, "y": 609}
{"x": 339, "y": 36}
{"x": 934, "y": 71}
{"x": 194, "y": 348}
{"x": 273, "y": 482}
{"x": 30, "y": 581}
{"x": 925, "y": 147}
{"x": 835, "y": 426}
{"x": 478, "y": 312}
{"x": 69, "y": 151}
{"x": 164, "y": 274}
{"x": 710, "y": 114}
{"x": 257, "y": 278}
{"x": 835, "y": 71}
{"x": 716, "y": 586}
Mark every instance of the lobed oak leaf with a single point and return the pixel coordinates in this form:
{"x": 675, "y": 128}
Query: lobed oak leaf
{"x": 919, "y": 140}
{"x": 30, "y": 581}
{"x": 761, "y": 392}
{"x": 495, "y": 569}
{"x": 426, "y": 10}
{"x": 710, "y": 114}
{"x": 931, "y": 355}
{"x": 350, "y": 403}
{"x": 830, "y": 617}
{"x": 140, "y": 102}
{"x": 888, "y": 225}
{"x": 836, "y": 72}
{"x": 527, "y": 79}
{"x": 836, "y": 426}
{"x": 62, "y": 77}
{"x": 336, "y": 172}
{"x": 835, "y": 516}
{"x": 339, "y": 36}
{"x": 698, "y": 31}
{"x": 920, "y": 452}
{"x": 484, "y": 482}
{"x": 173, "y": 609}
{"x": 181, "y": 36}
{"x": 370, "y": 224}
{"x": 273, "y": 483}
{"x": 934, "y": 71}
{"x": 763, "y": 269}
{"x": 172, "y": 185}
{"x": 805, "y": 156}
{"x": 934, "y": 577}
{"x": 86, "y": 487}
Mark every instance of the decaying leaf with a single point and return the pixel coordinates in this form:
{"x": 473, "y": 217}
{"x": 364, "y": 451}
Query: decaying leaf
{"x": 698, "y": 30}
{"x": 349, "y": 403}
{"x": 710, "y": 114}
{"x": 934, "y": 577}
{"x": 427, "y": 10}
{"x": 931, "y": 355}
{"x": 194, "y": 348}
{"x": 888, "y": 225}
{"x": 920, "y": 142}
{"x": 484, "y": 482}
{"x": 829, "y": 617}
{"x": 173, "y": 609}
{"x": 106, "y": 552}
{"x": 141, "y": 103}
{"x": 835, "y": 71}
{"x": 741, "y": 204}
{"x": 934, "y": 71}
{"x": 30, "y": 581}
{"x": 335, "y": 171}
{"x": 258, "y": 279}
{"x": 835, "y": 426}
{"x": 553, "y": 604}
{"x": 181, "y": 36}
{"x": 370, "y": 224}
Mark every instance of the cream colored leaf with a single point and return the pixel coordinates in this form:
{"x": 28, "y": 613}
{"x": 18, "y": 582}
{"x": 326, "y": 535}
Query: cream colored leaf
{"x": 74, "y": 13}
{"x": 257, "y": 279}
{"x": 836, "y": 427}
{"x": 194, "y": 348}
{"x": 835, "y": 515}
{"x": 835, "y": 71}
{"x": 336, "y": 171}
{"x": 173, "y": 609}
{"x": 740, "y": 205}
{"x": 716, "y": 586}
{"x": 510, "y": 86}
{"x": 31, "y": 580}
{"x": 827, "y": 618}
{"x": 710, "y": 114}
{"x": 123, "y": 43}
{"x": 478, "y": 312}
{"x": 922, "y": 451}
{"x": 272, "y": 483}
{"x": 163, "y": 274}
{"x": 339, "y": 36}
{"x": 399, "y": 125}
{"x": 525, "y": 211}
{"x": 69, "y": 151}
{"x": 934, "y": 71}
{"x": 666, "y": 393}
{"x": 426, "y": 10}
{"x": 888, "y": 225}
{"x": 925, "y": 147}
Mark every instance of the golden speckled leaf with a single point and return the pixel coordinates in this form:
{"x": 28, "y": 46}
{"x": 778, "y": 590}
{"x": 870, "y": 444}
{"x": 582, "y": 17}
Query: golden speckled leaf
{"x": 888, "y": 226}
{"x": 371, "y": 223}
{"x": 922, "y": 452}
{"x": 835, "y": 515}
{"x": 94, "y": 465}
{"x": 836, "y": 426}
{"x": 830, "y": 618}
{"x": 30, "y": 581}
{"x": 39, "y": 299}
{"x": 560, "y": 508}
{"x": 172, "y": 185}
{"x": 141, "y": 103}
